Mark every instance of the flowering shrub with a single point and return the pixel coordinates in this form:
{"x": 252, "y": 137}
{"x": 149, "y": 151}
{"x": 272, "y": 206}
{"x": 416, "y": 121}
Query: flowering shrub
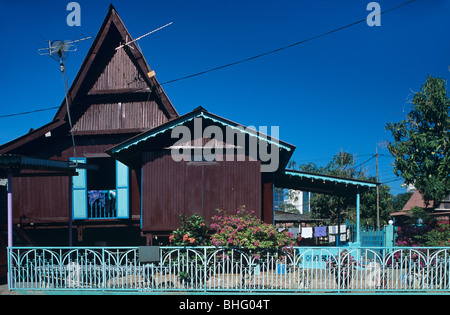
{"x": 411, "y": 235}
{"x": 244, "y": 229}
{"x": 192, "y": 232}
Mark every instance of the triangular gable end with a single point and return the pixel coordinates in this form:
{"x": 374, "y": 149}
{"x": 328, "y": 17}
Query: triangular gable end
{"x": 108, "y": 71}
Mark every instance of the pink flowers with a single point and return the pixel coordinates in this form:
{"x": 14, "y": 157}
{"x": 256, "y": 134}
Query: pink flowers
{"x": 244, "y": 229}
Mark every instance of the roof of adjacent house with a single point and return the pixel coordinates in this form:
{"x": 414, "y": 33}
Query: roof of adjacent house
{"x": 415, "y": 200}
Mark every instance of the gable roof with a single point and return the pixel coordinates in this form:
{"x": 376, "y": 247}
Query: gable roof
{"x": 414, "y": 201}
{"x": 111, "y": 34}
{"x": 127, "y": 150}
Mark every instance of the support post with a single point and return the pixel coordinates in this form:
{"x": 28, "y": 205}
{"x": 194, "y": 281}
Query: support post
{"x": 338, "y": 238}
{"x": 10, "y": 209}
{"x": 10, "y": 226}
{"x": 358, "y": 214}
{"x": 70, "y": 213}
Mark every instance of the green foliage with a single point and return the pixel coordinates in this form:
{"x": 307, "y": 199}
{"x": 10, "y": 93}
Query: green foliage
{"x": 439, "y": 236}
{"x": 399, "y": 201}
{"x": 244, "y": 229}
{"x": 192, "y": 232}
{"x": 422, "y": 142}
{"x": 417, "y": 213}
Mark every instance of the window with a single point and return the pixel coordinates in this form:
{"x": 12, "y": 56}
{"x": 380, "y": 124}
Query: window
{"x": 102, "y": 193}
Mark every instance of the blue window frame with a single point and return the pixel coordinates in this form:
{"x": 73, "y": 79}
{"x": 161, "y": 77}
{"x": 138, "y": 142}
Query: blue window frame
{"x": 80, "y": 209}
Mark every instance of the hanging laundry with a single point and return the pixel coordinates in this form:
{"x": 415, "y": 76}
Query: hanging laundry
{"x": 320, "y": 231}
{"x": 95, "y": 195}
{"x": 110, "y": 202}
{"x": 307, "y": 232}
{"x": 333, "y": 229}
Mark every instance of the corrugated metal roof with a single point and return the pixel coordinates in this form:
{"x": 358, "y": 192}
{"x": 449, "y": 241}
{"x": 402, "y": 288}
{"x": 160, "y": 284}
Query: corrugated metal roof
{"x": 20, "y": 162}
{"x": 320, "y": 183}
{"x": 14, "y": 161}
{"x": 196, "y": 113}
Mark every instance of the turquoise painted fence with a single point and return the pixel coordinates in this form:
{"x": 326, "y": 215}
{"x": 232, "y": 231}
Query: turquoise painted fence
{"x": 211, "y": 269}
{"x": 372, "y": 236}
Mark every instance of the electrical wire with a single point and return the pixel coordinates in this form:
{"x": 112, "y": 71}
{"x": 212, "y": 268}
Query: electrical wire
{"x": 247, "y": 59}
{"x": 29, "y": 112}
{"x": 285, "y": 47}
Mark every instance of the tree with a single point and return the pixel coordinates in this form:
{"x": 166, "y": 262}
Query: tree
{"x": 421, "y": 142}
{"x": 400, "y": 200}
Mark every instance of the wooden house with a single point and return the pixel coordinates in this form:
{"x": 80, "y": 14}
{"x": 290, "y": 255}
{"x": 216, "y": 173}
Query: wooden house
{"x": 133, "y": 191}
{"x": 136, "y": 170}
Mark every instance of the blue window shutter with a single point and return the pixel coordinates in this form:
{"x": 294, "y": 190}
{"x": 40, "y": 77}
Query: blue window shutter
{"x": 122, "y": 186}
{"x": 79, "y": 192}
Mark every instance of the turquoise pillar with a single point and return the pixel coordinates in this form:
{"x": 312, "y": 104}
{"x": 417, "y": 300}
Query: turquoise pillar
{"x": 389, "y": 237}
{"x": 358, "y": 214}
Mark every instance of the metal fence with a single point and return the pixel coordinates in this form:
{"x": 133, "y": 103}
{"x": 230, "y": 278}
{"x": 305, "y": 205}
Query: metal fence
{"x": 211, "y": 269}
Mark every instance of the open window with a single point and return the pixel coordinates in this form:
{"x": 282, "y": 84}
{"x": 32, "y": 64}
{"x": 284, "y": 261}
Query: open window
{"x": 102, "y": 193}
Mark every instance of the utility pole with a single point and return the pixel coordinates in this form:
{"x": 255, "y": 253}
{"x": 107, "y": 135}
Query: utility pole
{"x": 378, "y": 195}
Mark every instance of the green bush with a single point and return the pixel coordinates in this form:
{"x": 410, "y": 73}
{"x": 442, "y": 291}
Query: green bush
{"x": 193, "y": 231}
{"x": 439, "y": 236}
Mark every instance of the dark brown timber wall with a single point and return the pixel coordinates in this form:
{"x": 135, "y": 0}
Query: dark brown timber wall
{"x": 46, "y": 199}
{"x": 172, "y": 188}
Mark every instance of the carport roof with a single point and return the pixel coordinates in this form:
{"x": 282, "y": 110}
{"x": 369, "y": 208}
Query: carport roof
{"x": 319, "y": 183}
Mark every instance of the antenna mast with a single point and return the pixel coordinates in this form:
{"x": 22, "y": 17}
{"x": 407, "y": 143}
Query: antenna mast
{"x": 59, "y": 50}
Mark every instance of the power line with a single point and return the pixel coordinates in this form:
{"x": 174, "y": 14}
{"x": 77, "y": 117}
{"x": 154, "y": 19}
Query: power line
{"x": 250, "y": 58}
{"x": 29, "y": 112}
{"x": 391, "y": 181}
{"x": 285, "y": 47}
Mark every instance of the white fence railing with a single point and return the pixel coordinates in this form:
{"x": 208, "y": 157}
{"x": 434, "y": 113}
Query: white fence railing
{"x": 301, "y": 269}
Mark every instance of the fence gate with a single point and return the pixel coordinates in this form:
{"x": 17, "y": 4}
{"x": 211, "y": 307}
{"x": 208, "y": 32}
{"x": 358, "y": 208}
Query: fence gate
{"x": 372, "y": 236}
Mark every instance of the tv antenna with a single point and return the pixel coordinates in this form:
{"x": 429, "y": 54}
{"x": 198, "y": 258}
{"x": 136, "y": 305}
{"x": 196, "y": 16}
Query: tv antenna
{"x": 127, "y": 43}
{"x": 59, "y": 51}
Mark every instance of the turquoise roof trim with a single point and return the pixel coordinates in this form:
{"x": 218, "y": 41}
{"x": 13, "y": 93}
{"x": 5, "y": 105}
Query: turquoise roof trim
{"x": 332, "y": 179}
{"x": 178, "y": 122}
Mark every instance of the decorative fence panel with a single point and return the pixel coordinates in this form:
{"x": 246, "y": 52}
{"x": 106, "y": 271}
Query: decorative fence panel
{"x": 211, "y": 269}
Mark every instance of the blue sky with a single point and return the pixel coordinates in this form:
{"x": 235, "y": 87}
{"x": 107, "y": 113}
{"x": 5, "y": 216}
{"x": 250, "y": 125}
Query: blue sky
{"x": 333, "y": 93}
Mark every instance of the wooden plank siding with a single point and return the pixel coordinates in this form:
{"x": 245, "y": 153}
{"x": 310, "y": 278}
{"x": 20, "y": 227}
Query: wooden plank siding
{"x": 172, "y": 188}
{"x": 120, "y": 73}
{"x": 119, "y": 116}
{"x": 41, "y": 199}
